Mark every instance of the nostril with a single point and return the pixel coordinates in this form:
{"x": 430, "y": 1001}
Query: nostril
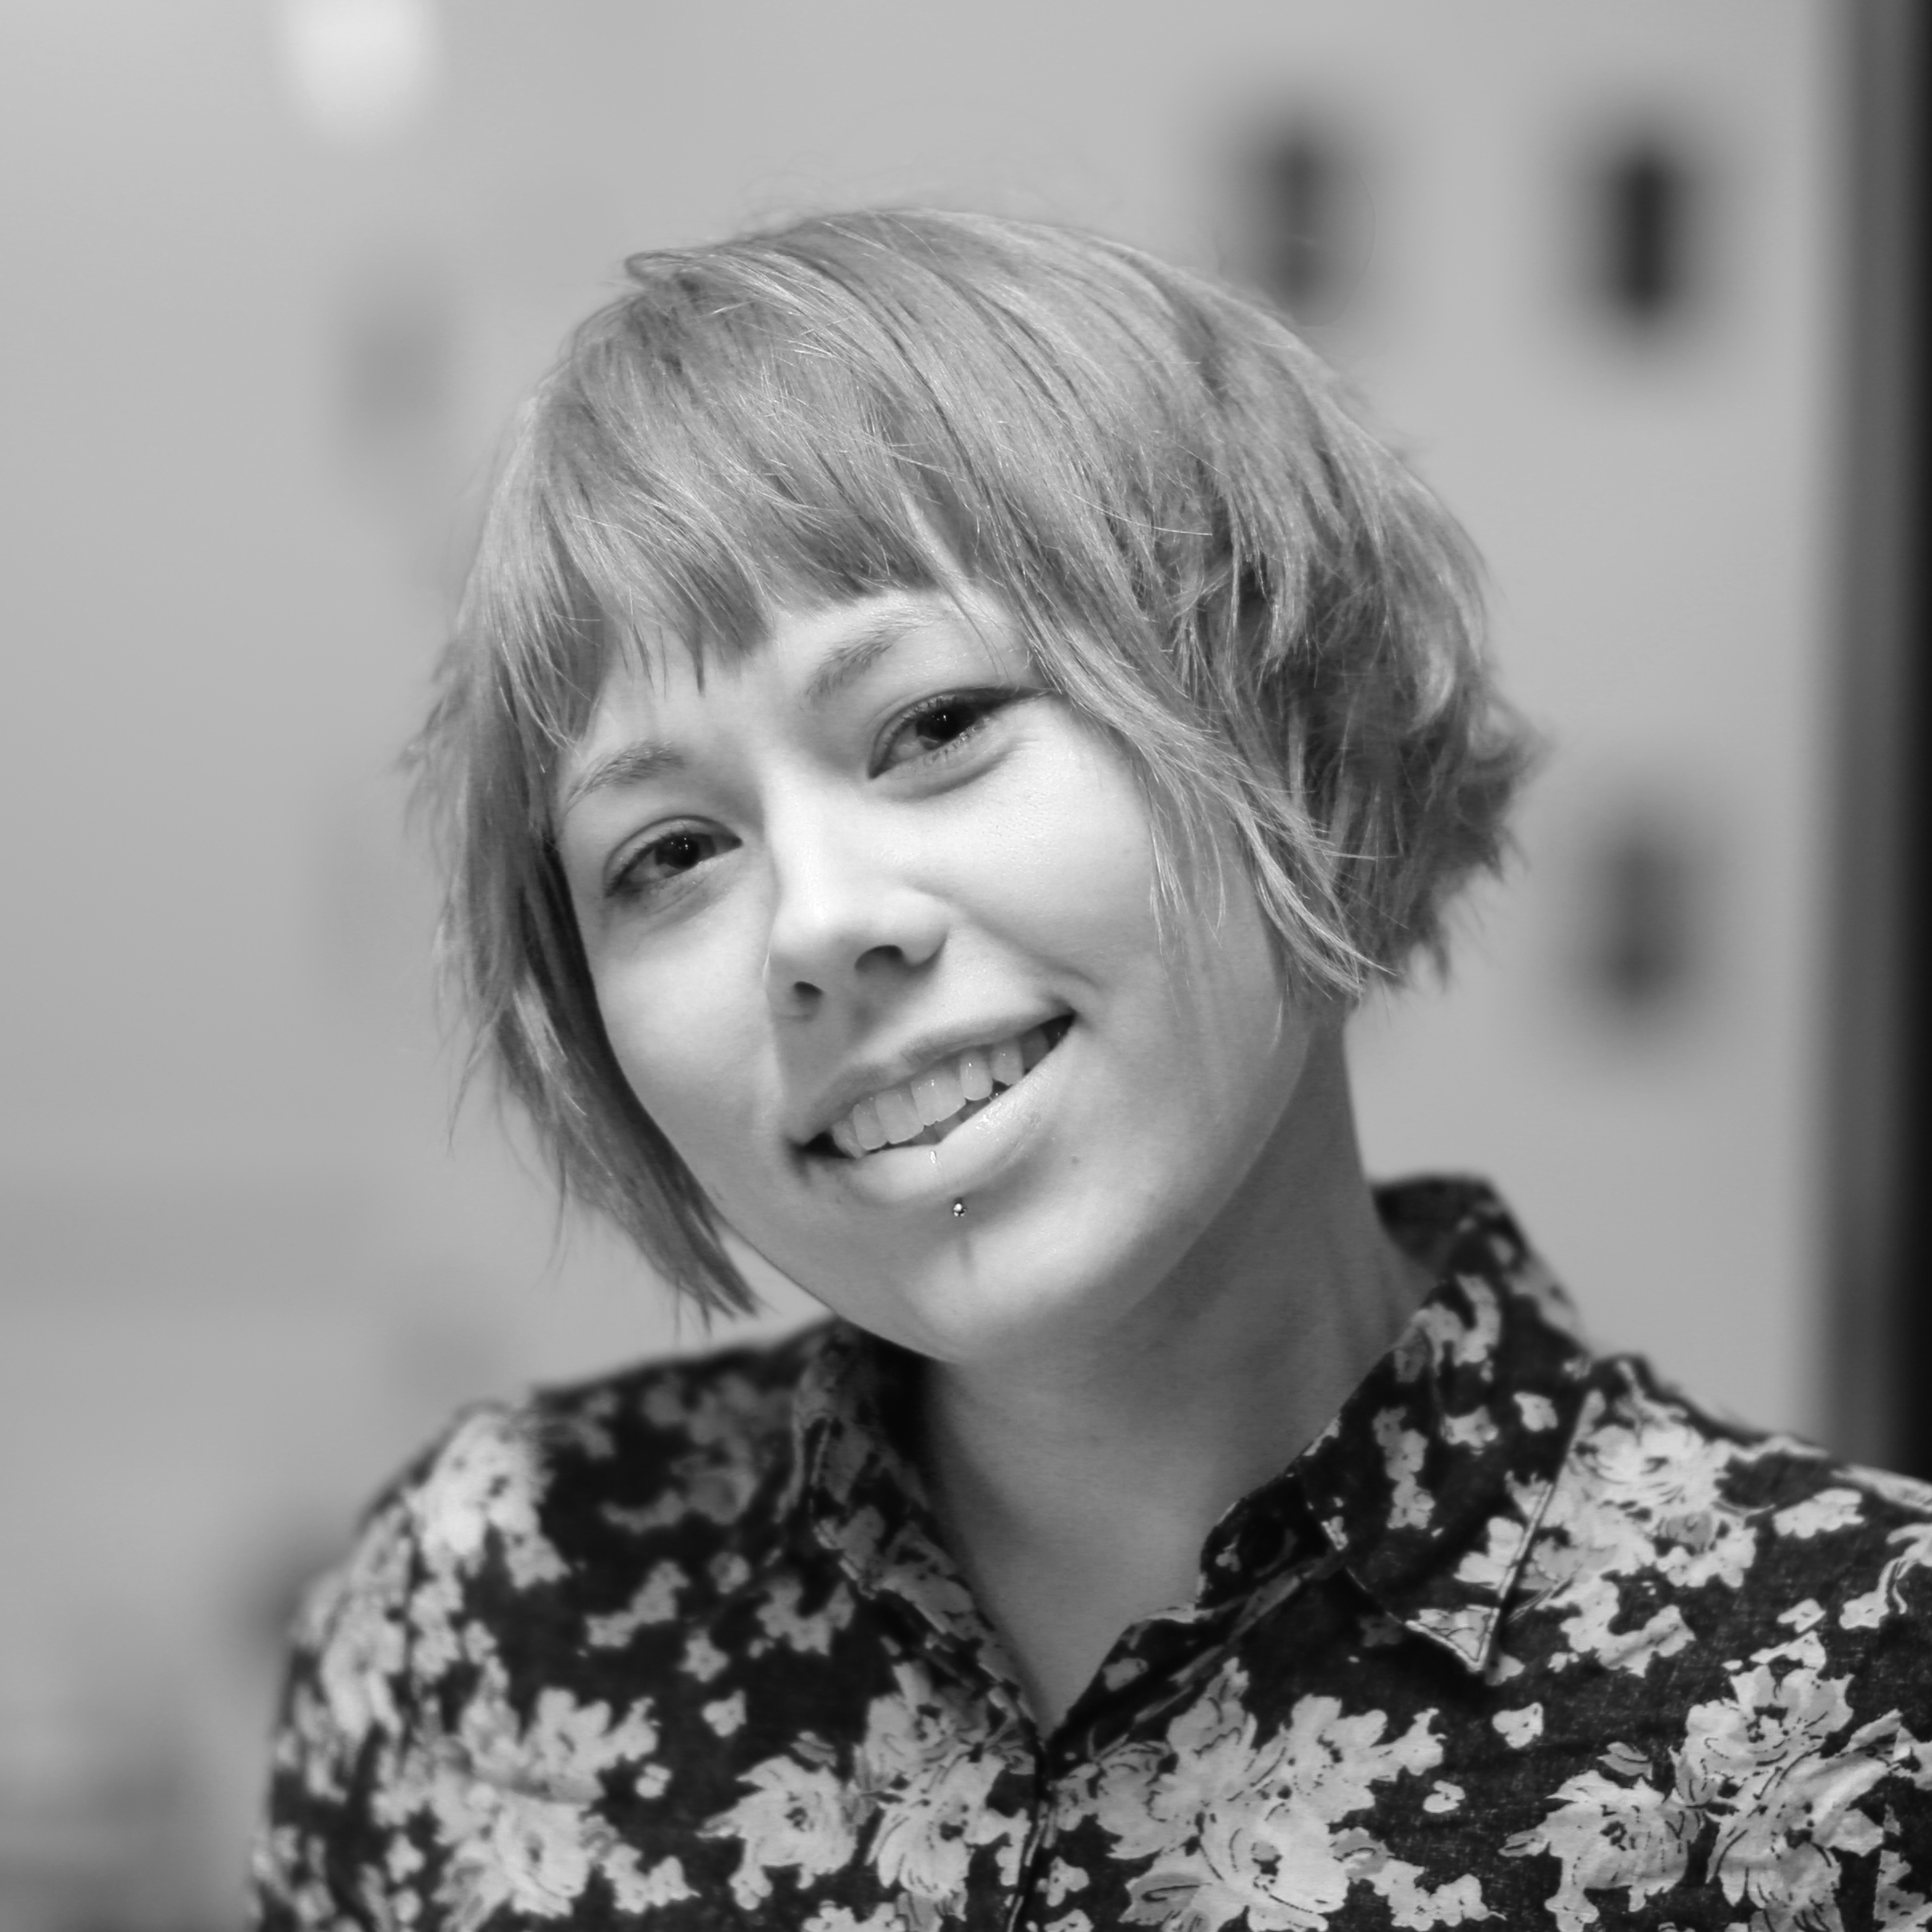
{"x": 793, "y": 998}
{"x": 883, "y": 955}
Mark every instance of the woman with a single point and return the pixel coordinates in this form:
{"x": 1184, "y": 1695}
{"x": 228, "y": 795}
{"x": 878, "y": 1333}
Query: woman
{"x": 948, "y": 718}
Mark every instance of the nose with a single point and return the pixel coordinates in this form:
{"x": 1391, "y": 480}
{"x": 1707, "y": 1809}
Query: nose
{"x": 847, "y": 921}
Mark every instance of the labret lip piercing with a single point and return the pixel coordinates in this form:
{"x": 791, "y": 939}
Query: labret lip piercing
{"x": 959, "y": 1208}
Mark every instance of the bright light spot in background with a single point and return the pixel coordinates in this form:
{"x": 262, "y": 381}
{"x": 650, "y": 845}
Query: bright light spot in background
{"x": 362, "y": 69}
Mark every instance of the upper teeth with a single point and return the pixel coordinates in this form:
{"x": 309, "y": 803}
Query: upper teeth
{"x": 903, "y": 1113}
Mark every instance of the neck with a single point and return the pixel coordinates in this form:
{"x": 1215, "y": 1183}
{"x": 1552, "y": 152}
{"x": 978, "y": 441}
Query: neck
{"x": 1089, "y": 1475}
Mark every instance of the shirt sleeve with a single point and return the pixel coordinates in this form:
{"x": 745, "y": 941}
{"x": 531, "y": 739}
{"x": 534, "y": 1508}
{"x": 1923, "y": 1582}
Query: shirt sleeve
{"x": 324, "y": 1854}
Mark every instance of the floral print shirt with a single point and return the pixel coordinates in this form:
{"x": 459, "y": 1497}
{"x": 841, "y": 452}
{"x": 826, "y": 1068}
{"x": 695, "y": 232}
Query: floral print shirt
{"x": 1522, "y": 1637}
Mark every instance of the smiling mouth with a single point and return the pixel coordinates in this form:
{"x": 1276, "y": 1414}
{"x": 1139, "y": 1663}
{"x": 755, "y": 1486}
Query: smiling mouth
{"x": 923, "y": 1110}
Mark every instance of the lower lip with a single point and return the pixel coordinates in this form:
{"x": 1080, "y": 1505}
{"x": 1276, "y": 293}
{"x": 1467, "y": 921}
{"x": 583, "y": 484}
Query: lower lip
{"x": 979, "y": 1152}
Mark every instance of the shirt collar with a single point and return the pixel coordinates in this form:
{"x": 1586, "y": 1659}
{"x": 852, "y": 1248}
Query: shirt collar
{"x": 1431, "y": 1480}
{"x": 1428, "y": 1484}
{"x": 858, "y": 1483}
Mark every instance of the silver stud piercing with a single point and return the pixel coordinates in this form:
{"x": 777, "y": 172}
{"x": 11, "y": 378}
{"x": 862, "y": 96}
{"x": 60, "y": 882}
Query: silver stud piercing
{"x": 958, "y": 1210}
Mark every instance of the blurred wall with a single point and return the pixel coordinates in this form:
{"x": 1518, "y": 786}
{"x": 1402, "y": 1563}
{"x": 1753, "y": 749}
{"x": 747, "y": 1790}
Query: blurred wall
{"x": 274, "y": 276}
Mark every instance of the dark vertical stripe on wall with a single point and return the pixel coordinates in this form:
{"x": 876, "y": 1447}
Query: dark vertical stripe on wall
{"x": 1913, "y": 1384}
{"x": 1878, "y": 1121}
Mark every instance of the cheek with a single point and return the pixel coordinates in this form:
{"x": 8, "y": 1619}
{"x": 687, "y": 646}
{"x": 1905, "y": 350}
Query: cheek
{"x": 1079, "y": 867}
{"x": 687, "y": 1039}
{"x": 1074, "y": 862}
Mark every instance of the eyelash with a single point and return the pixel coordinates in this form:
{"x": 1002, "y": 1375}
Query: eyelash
{"x": 988, "y": 705}
{"x": 625, "y": 884}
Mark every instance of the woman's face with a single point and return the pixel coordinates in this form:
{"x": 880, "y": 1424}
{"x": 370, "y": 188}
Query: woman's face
{"x": 872, "y": 921}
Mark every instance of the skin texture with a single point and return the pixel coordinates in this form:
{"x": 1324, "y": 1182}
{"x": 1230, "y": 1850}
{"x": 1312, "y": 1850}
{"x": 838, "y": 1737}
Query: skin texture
{"x": 872, "y": 837}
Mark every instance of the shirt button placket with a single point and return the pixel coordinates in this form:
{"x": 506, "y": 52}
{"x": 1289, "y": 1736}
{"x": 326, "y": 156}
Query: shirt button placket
{"x": 1031, "y": 1911}
{"x": 1024, "y": 1912}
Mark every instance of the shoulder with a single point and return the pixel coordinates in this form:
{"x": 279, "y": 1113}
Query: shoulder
{"x": 1738, "y": 1626}
{"x": 1648, "y": 1450}
{"x": 648, "y": 1449}
{"x": 688, "y": 1454}
{"x": 525, "y": 1593}
{"x": 563, "y": 1520}
{"x": 1684, "y": 1526}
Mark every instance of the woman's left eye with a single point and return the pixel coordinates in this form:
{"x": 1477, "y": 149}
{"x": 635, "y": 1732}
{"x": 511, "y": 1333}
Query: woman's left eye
{"x": 935, "y": 728}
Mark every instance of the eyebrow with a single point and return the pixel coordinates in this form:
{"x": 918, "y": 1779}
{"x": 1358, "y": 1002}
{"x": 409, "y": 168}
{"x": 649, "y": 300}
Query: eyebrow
{"x": 635, "y": 764}
{"x": 855, "y": 656}
{"x": 644, "y": 759}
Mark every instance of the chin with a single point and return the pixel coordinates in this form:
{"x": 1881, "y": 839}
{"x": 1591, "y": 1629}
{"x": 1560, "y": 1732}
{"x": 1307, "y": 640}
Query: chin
{"x": 1017, "y": 1285}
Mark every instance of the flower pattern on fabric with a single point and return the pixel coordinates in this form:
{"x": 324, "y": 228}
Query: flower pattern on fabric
{"x": 1232, "y": 1830}
{"x": 1522, "y": 1637}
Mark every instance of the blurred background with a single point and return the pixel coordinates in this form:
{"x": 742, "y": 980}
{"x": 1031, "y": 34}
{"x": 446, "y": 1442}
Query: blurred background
{"x": 1635, "y": 283}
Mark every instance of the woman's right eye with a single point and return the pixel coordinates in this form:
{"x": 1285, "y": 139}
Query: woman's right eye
{"x": 663, "y": 860}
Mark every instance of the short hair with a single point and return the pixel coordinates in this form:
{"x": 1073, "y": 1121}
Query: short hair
{"x": 1206, "y": 552}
